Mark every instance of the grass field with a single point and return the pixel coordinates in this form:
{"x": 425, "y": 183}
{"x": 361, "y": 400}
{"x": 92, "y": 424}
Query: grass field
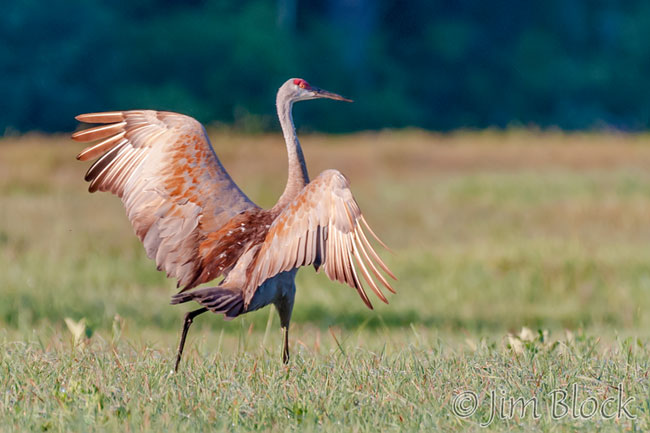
{"x": 491, "y": 232}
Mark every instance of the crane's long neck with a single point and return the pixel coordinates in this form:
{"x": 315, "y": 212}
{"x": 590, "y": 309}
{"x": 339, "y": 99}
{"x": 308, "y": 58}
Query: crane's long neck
{"x": 298, "y": 176}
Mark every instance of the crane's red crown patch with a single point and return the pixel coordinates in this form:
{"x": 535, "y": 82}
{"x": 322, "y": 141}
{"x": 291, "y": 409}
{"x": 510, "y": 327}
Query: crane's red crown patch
{"x": 301, "y": 83}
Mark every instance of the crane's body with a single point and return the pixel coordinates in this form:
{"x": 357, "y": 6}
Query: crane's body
{"x": 197, "y": 224}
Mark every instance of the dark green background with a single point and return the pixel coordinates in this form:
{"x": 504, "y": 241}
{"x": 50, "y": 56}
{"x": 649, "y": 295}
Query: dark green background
{"x": 579, "y": 64}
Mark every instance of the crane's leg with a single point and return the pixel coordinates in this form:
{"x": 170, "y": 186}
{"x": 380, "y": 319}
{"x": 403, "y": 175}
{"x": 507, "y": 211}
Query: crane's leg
{"x": 187, "y": 322}
{"x": 285, "y": 348}
{"x": 285, "y": 308}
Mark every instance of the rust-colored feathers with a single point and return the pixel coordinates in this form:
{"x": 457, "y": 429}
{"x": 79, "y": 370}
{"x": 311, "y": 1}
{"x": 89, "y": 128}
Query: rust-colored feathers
{"x": 322, "y": 226}
{"x": 196, "y": 223}
{"x": 175, "y": 190}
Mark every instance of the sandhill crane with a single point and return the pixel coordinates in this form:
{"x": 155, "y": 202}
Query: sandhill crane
{"x": 197, "y": 224}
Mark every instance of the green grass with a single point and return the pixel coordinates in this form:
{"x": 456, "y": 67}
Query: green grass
{"x": 491, "y": 233}
{"x": 407, "y": 383}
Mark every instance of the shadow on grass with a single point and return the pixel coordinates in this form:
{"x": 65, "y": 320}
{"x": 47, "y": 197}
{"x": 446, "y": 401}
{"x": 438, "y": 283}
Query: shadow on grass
{"x": 324, "y": 318}
{"x": 25, "y": 311}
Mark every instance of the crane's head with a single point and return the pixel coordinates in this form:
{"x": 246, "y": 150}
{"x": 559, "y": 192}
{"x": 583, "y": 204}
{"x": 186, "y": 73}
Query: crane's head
{"x": 297, "y": 89}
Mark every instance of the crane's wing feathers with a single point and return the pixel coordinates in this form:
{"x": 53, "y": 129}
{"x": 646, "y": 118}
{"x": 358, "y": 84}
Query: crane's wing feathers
{"x": 323, "y": 226}
{"x": 176, "y": 192}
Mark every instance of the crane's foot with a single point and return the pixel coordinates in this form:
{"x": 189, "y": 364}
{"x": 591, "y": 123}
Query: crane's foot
{"x": 285, "y": 348}
{"x": 187, "y": 322}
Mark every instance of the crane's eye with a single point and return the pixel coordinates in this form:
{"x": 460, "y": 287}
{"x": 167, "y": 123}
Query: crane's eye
{"x": 301, "y": 83}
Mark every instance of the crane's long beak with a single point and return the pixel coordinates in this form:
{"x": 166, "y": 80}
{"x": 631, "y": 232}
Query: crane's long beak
{"x": 320, "y": 93}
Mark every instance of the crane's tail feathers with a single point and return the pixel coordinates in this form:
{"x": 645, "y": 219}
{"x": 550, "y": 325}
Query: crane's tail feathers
{"x": 216, "y": 299}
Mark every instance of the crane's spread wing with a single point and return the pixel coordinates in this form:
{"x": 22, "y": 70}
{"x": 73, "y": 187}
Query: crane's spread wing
{"x": 322, "y": 226}
{"x": 176, "y": 192}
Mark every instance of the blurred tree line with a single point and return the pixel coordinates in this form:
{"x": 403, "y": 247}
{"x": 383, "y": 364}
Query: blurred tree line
{"x": 428, "y": 63}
